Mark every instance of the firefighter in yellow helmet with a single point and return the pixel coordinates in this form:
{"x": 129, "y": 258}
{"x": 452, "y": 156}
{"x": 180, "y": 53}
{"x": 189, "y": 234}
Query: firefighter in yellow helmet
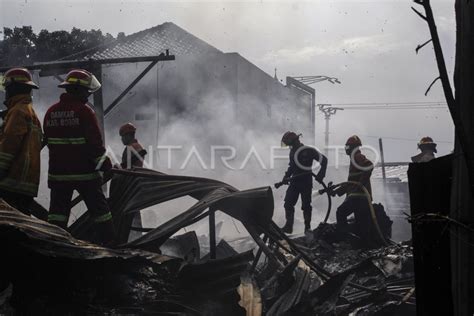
{"x": 300, "y": 179}
{"x": 360, "y": 170}
{"x": 428, "y": 149}
{"x": 20, "y": 142}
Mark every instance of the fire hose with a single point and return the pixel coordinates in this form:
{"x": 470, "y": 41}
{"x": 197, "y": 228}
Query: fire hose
{"x": 331, "y": 188}
{"x": 326, "y": 189}
{"x": 369, "y": 202}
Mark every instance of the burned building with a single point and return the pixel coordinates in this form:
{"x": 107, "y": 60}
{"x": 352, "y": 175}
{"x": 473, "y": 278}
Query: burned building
{"x": 202, "y": 86}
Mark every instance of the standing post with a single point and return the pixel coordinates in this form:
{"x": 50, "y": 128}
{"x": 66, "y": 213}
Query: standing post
{"x": 212, "y": 234}
{"x": 98, "y": 98}
{"x": 328, "y": 110}
{"x": 327, "y": 116}
{"x": 313, "y": 121}
{"x": 384, "y": 176}
{"x": 382, "y": 160}
{"x": 157, "y": 110}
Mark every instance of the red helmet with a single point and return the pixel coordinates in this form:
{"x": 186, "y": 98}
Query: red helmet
{"x": 127, "y": 129}
{"x": 354, "y": 141}
{"x": 83, "y": 78}
{"x": 289, "y": 138}
{"x": 18, "y": 75}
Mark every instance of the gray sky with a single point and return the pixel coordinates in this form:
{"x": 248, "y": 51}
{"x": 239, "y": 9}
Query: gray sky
{"x": 368, "y": 45}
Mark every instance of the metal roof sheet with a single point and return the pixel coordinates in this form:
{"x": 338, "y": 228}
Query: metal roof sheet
{"x": 149, "y": 42}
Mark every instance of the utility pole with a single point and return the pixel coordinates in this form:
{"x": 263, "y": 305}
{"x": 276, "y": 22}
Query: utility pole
{"x": 384, "y": 175}
{"x": 303, "y": 83}
{"x": 328, "y": 110}
{"x": 382, "y": 159}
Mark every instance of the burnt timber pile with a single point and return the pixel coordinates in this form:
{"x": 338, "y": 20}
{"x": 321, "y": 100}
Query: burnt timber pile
{"x": 323, "y": 273}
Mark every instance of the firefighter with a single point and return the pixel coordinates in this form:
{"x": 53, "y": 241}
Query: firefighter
{"x": 300, "y": 179}
{"x": 133, "y": 156}
{"x": 20, "y": 142}
{"x": 360, "y": 170}
{"x": 133, "y": 153}
{"x": 77, "y": 155}
{"x": 428, "y": 150}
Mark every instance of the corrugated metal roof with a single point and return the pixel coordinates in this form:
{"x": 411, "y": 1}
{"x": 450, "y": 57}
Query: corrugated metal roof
{"x": 392, "y": 172}
{"x": 149, "y": 42}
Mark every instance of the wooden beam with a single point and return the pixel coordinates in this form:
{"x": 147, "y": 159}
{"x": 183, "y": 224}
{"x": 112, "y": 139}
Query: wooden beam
{"x": 99, "y": 100}
{"x": 130, "y": 87}
{"x": 212, "y": 234}
{"x": 60, "y": 67}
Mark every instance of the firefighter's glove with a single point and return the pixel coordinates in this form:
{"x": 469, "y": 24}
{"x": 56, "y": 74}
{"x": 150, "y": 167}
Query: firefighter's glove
{"x": 319, "y": 178}
{"x": 339, "y": 191}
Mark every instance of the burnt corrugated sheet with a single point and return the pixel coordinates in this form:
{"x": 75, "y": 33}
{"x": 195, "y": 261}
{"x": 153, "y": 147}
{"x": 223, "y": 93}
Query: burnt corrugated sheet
{"x": 50, "y": 240}
{"x": 132, "y": 191}
{"x": 55, "y": 273}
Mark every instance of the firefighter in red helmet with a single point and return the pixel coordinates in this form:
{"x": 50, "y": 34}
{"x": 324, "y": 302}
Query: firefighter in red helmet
{"x": 133, "y": 157}
{"x": 20, "y": 141}
{"x": 300, "y": 179}
{"x": 428, "y": 149}
{"x": 133, "y": 153}
{"x": 77, "y": 155}
{"x": 360, "y": 170}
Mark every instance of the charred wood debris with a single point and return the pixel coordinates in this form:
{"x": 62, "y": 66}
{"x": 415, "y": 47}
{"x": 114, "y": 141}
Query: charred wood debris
{"x": 49, "y": 270}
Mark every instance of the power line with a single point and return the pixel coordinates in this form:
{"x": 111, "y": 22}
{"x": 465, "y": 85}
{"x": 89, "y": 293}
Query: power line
{"x": 406, "y": 139}
{"x": 415, "y": 105}
{"x": 394, "y": 108}
{"x": 394, "y": 103}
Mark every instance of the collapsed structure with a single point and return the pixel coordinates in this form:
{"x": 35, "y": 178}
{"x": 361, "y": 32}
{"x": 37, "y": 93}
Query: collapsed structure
{"x": 322, "y": 273}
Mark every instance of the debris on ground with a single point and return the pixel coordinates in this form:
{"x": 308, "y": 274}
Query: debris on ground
{"x": 324, "y": 272}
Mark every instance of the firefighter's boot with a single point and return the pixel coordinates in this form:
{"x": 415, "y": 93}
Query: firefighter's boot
{"x": 307, "y": 220}
{"x": 290, "y": 218}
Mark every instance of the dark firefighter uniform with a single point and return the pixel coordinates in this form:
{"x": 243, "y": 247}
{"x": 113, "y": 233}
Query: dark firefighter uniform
{"x": 76, "y": 155}
{"x": 133, "y": 155}
{"x": 301, "y": 180}
{"x": 360, "y": 170}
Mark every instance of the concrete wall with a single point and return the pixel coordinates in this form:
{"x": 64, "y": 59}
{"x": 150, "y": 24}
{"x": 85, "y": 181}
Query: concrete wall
{"x": 202, "y": 100}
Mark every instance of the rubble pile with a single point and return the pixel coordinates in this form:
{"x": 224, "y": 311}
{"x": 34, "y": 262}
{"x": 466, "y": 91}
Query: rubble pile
{"x": 161, "y": 273}
{"x": 350, "y": 280}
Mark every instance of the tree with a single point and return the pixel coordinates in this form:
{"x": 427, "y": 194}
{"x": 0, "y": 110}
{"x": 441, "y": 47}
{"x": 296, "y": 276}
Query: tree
{"x": 22, "y": 46}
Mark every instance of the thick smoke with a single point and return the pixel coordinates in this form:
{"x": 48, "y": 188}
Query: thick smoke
{"x": 211, "y": 107}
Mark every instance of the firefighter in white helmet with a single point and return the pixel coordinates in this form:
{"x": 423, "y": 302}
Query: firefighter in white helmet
{"x": 77, "y": 155}
{"x": 428, "y": 149}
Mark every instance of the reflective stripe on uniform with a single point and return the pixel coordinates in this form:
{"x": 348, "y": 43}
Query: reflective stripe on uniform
{"x": 74, "y": 177}
{"x": 5, "y": 160}
{"x": 57, "y": 218}
{"x": 103, "y": 218}
{"x": 14, "y": 185}
{"x": 66, "y": 141}
{"x": 6, "y": 156}
{"x": 100, "y": 159}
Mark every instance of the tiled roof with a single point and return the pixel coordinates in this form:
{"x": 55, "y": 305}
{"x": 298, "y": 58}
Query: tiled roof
{"x": 149, "y": 42}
